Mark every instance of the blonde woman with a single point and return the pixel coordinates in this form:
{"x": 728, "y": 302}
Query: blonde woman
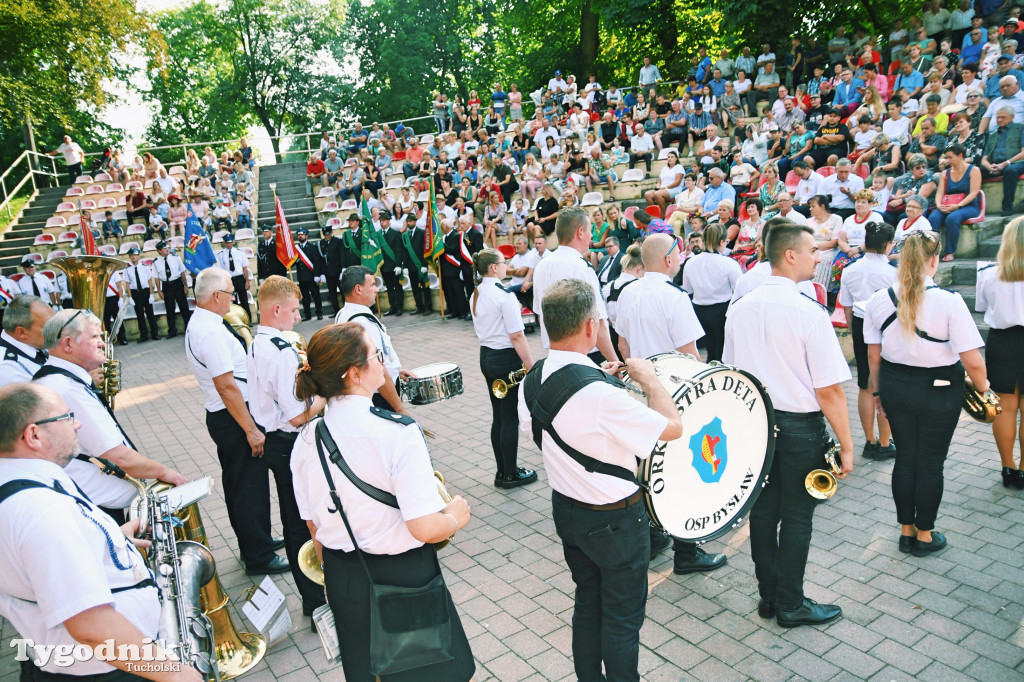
{"x": 770, "y": 190}
{"x": 531, "y": 178}
{"x": 920, "y": 341}
{"x": 1000, "y": 295}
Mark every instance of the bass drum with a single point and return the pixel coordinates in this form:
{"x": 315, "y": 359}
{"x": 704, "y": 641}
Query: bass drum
{"x": 703, "y": 484}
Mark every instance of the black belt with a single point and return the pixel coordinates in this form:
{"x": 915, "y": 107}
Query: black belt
{"x": 808, "y": 416}
{"x": 956, "y": 369}
{"x": 621, "y": 504}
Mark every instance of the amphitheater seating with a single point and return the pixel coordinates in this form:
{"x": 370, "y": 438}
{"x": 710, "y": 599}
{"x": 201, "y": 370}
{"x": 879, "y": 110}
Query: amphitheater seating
{"x": 55, "y": 254}
{"x": 633, "y": 175}
{"x": 102, "y": 177}
{"x": 125, "y": 246}
{"x": 67, "y": 238}
{"x": 44, "y": 240}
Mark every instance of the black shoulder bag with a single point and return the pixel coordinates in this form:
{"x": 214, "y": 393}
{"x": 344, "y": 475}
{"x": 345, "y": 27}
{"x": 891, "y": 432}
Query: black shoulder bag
{"x": 410, "y": 627}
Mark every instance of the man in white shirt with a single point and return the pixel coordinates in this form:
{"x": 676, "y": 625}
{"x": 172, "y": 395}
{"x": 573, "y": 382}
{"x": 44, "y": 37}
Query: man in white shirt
{"x": 841, "y": 187}
{"x": 520, "y": 268}
{"x": 786, "y": 340}
{"x": 641, "y": 147}
{"x": 73, "y": 158}
{"x": 216, "y": 353}
{"x": 21, "y": 340}
{"x": 788, "y": 211}
{"x": 811, "y": 184}
{"x": 74, "y": 339}
{"x": 233, "y": 260}
{"x": 546, "y": 130}
{"x": 36, "y": 284}
{"x": 171, "y": 279}
{"x": 650, "y": 76}
{"x": 140, "y": 279}
{"x": 573, "y": 231}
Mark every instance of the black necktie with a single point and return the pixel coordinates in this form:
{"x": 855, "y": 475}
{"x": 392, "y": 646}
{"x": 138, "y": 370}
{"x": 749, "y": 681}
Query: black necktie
{"x": 138, "y": 280}
{"x": 234, "y": 333}
{"x": 231, "y": 261}
{"x": 35, "y": 287}
{"x": 167, "y": 269}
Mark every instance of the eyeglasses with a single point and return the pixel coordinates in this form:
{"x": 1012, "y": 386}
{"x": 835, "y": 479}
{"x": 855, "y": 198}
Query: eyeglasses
{"x": 379, "y": 354}
{"x": 70, "y": 320}
{"x": 66, "y": 417}
{"x": 222, "y": 291}
{"x": 924, "y": 234}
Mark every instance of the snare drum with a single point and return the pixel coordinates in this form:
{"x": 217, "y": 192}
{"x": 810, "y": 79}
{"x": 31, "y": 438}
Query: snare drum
{"x": 433, "y": 383}
{"x": 702, "y": 484}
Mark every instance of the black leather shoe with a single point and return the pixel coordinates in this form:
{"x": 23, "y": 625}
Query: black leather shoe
{"x": 467, "y": 316}
{"x": 276, "y": 565}
{"x": 937, "y": 544}
{"x": 701, "y": 562}
{"x": 276, "y": 543}
{"x": 765, "y": 609}
{"x": 141, "y": 340}
{"x": 123, "y": 342}
{"x": 521, "y": 477}
{"x": 907, "y": 543}
{"x": 809, "y": 613}
{"x": 305, "y": 318}
{"x": 659, "y": 542}
{"x": 156, "y": 338}
{"x": 1008, "y": 476}
{"x": 450, "y": 317}
{"x": 1018, "y": 479}
{"x": 171, "y": 335}
{"x": 398, "y": 313}
{"x": 312, "y": 624}
{"x": 319, "y": 316}
{"x": 415, "y": 312}
{"x": 390, "y": 313}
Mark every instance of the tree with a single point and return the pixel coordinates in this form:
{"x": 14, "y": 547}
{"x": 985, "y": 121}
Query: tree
{"x": 191, "y": 80}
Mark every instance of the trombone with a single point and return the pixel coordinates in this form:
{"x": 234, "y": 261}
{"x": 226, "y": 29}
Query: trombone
{"x": 821, "y": 483}
{"x": 500, "y": 387}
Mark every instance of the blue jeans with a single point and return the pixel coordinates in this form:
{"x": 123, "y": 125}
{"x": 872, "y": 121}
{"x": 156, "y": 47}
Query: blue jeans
{"x": 607, "y": 553}
{"x": 952, "y": 221}
{"x": 781, "y": 519}
{"x": 244, "y": 221}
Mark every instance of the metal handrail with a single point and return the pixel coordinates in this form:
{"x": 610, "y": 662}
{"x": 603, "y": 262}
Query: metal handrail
{"x": 30, "y": 176}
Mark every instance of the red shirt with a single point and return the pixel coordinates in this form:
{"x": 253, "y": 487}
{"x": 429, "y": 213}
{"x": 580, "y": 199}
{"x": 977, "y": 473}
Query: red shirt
{"x": 414, "y": 155}
{"x": 315, "y": 167}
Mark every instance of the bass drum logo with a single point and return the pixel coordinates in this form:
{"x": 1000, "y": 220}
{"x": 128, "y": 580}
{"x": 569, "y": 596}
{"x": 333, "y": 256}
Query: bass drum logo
{"x": 710, "y": 451}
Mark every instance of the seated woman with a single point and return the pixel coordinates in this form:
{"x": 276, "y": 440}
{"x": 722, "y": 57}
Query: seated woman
{"x": 852, "y": 235}
{"x": 956, "y": 198}
{"x": 176, "y": 215}
{"x": 494, "y": 219}
{"x": 746, "y": 235}
{"x": 914, "y": 222}
{"x": 599, "y": 231}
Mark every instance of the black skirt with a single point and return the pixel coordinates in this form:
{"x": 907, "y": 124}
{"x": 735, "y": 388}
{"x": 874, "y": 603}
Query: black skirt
{"x": 348, "y": 593}
{"x": 1004, "y": 360}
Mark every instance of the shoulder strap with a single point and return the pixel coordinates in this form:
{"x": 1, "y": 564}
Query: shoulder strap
{"x": 323, "y": 436}
{"x": 370, "y": 317}
{"x": 48, "y": 370}
{"x": 561, "y": 386}
{"x": 16, "y": 486}
{"x": 892, "y": 318}
{"x": 816, "y": 302}
{"x": 613, "y": 293}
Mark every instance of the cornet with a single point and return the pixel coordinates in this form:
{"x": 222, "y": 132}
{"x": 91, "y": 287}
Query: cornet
{"x": 500, "y": 387}
{"x": 821, "y": 483}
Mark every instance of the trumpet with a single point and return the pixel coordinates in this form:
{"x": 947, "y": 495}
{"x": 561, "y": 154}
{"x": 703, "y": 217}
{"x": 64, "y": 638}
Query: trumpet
{"x": 983, "y": 407}
{"x": 500, "y": 387}
{"x": 821, "y": 483}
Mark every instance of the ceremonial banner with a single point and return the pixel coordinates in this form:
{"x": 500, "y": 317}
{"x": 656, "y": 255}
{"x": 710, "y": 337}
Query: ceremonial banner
{"x": 198, "y": 250}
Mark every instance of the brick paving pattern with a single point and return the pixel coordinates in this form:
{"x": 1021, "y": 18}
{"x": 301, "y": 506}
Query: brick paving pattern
{"x": 956, "y": 616}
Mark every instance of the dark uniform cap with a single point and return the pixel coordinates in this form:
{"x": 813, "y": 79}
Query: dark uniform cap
{"x": 133, "y": 250}
{"x": 161, "y": 245}
{"x": 229, "y": 238}
{"x": 302, "y": 230}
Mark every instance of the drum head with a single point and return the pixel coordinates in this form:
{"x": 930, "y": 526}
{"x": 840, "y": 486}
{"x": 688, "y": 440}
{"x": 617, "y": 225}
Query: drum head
{"x": 703, "y": 484}
{"x": 434, "y": 369}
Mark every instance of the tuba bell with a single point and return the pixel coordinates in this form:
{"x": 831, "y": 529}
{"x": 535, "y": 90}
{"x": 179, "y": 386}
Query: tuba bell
{"x": 237, "y": 318}
{"x": 821, "y": 483}
{"x": 87, "y": 281}
{"x": 983, "y": 407}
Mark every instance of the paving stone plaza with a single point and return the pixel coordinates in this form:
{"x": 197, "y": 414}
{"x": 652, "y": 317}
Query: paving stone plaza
{"x": 954, "y": 616}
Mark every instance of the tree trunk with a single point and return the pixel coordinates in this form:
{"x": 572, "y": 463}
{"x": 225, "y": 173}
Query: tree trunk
{"x": 589, "y": 25}
{"x": 261, "y": 113}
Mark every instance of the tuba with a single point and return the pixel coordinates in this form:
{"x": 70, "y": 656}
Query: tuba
{"x": 237, "y": 318}
{"x": 87, "y": 280}
{"x": 983, "y": 407}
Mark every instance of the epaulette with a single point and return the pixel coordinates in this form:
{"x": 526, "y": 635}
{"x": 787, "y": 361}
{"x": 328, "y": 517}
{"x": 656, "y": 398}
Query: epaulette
{"x": 986, "y": 267}
{"x": 676, "y": 286}
{"x": 280, "y": 343}
{"x": 10, "y": 355}
{"x": 393, "y": 417}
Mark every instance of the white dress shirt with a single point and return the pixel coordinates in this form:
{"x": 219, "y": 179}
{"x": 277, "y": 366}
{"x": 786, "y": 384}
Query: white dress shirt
{"x": 161, "y": 266}
{"x": 233, "y": 260}
{"x": 904, "y": 228}
{"x": 863, "y": 278}
{"x": 55, "y": 563}
{"x": 523, "y": 260}
{"x": 601, "y": 421}
{"x": 138, "y": 276}
{"x": 854, "y": 183}
{"x": 42, "y": 282}
{"x": 382, "y": 452}
{"x": 100, "y": 433}
{"x": 942, "y": 315}
{"x": 112, "y": 284}
{"x": 618, "y": 286}
{"x": 1002, "y": 302}
{"x": 794, "y": 217}
{"x": 213, "y": 351}
{"x": 641, "y": 143}
{"x": 755, "y": 277}
{"x": 808, "y": 187}
{"x": 655, "y": 316}
{"x": 786, "y": 340}
{"x": 377, "y": 331}
{"x": 563, "y": 263}
{"x": 272, "y": 365}
{"x": 20, "y": 361}
{"x": 496, "y": 314}
{"x": 711, "y": 278}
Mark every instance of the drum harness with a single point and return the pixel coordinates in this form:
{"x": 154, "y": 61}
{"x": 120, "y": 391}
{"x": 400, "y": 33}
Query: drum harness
{"x": 560, "y": 387}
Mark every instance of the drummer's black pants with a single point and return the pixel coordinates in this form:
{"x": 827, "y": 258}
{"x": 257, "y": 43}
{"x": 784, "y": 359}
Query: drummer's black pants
{"x": 780, "y": 521}
{"x": 497, "y": 364}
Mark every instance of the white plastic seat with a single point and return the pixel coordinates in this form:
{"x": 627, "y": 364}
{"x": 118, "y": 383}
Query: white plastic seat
{"x": 592, "y": 199}
{"x": 633, "y": 175}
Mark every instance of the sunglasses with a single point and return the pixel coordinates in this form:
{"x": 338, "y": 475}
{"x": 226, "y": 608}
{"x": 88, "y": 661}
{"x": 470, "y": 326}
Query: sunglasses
{"x": 70, "y": 320}
{"x": 66, "y": 417}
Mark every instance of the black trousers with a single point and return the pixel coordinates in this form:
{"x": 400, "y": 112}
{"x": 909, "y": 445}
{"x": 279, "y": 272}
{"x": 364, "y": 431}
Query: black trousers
{"x": 348, "y": 592}
{"x": 31, "y": 673}
{"x": 393, "y": 284}
{"x": 455, "y": 296}
{"x": 468, "y": 282}
{"x": 311, "y": 290}
{"x": 277, "y": 452}
{"x": 332, "y": 294}
{"x": 781, "y": 519}
{"x": 144, "y": 314}
{"x": 175, "y": 299}
{"x": 109, "y": 313}
{"x": 712, "y": 319}
{"x": 246, "y": 488}
{"x": 497, "y": 364}
{"x": 421, "y": 293}
{"x": 607, "y": 553}
{"x": 923, "y": 418}
{"x": 241, "y": 285}
{"x": 74, "y": 170}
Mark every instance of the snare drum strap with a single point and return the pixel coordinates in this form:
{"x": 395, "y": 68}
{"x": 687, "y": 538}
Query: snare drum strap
{"x": 544, "y": 406}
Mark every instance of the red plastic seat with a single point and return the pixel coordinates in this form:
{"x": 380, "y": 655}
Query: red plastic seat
{"x": 654, "y": 211}
{"x": 507, "y": 250}
{"x": 981, "y": 213}
{"x": 838, "y": 317}
{"x": 893, "y": 68}
{"x": 791, "y": 181}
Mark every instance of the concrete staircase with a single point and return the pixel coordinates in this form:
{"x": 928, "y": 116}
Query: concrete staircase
{"x": 17, "y": 240}
{"x": 299, "y": 211}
